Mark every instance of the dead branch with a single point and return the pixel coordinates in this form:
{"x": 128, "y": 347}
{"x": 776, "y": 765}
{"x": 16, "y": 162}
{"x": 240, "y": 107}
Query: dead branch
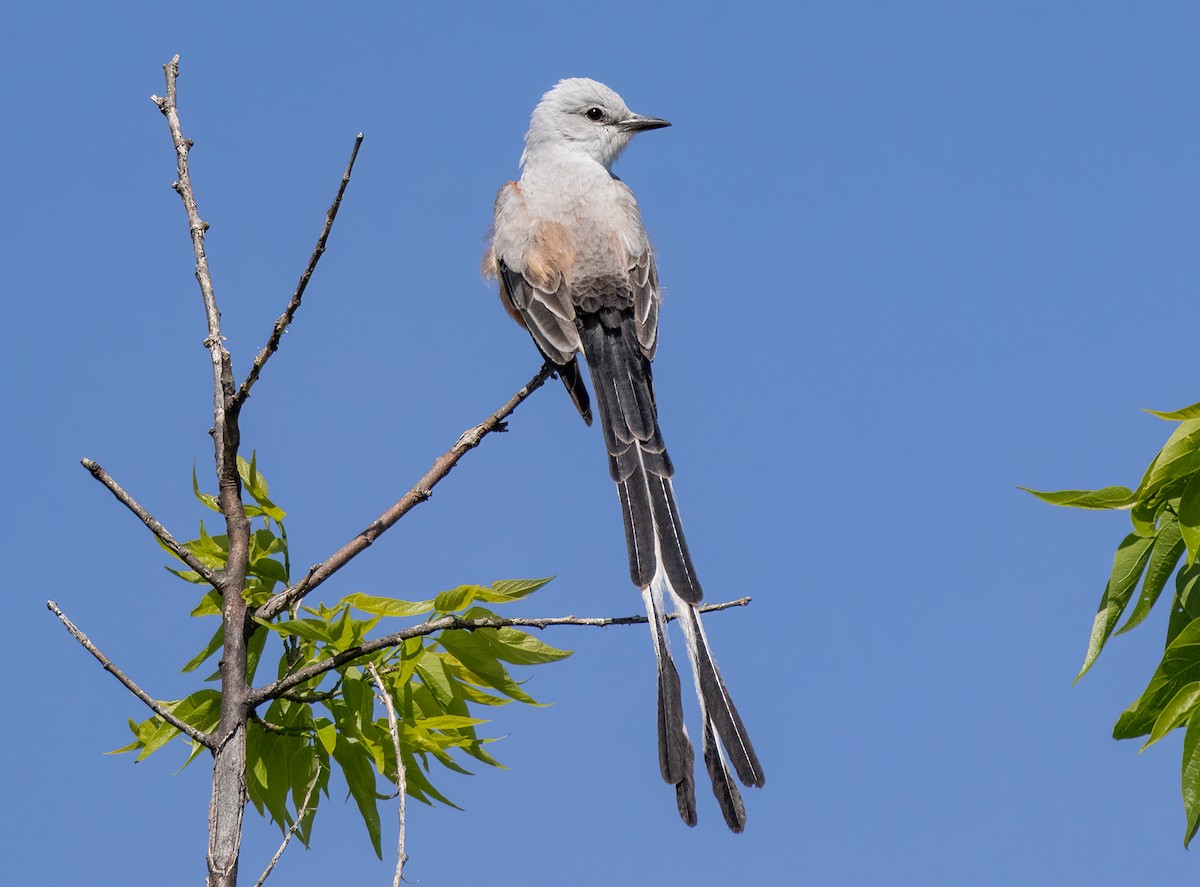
{"x": 154, "y": 705}
{"x": 149, "y": 520}
{"x": 418, "y": 494}
{"x": 401, "y": 781}
{"x": 285, "y": 319}
{"x": 300, "y": 814}
{"x": 229, "y": 767}
{"x": 447, "y": 623}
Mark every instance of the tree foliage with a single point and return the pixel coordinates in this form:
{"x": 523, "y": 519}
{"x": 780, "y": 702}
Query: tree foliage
{"x": 438, "y": 682}
{"x": 1165, "y": 512}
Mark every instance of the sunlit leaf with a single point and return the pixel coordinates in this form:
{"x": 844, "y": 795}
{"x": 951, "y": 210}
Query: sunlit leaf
{"x": 1190, "y": 412}
{"x": 1108, "y": 497}
{"x": 1167, "y": 549}
{"x": 1180, "y": 666}
{"x": 476, "y": 656}
{"x": 386, "y": 606}
{"x": 209, "y": 501}
{"x": 511, "y": 589}
{"x": 455, "y": 598}
{"x": 1191, "y": 776}
{"x": 1175, "y": 712}
{"x": 360, "y": 776}
{"x": 1188, "y": 512}
{"x": 213, "y": 646}
{"x": 1127, "y": 567}
{"x": 1179, "y": 457}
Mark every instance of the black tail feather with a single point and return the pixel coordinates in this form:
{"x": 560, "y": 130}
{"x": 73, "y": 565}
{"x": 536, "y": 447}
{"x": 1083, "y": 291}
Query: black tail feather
{"x": 658, "y": 553}
{"x": 638, "y": 459}
{"x": 724, "y": 788}
{"x": 719, "y": 705}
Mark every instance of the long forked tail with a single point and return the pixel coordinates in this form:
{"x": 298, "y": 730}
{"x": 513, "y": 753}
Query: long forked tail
{"x": 660, "y": 564}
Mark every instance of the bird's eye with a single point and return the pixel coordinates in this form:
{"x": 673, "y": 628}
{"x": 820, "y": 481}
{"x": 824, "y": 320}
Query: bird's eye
{"x": 595, "y": 114}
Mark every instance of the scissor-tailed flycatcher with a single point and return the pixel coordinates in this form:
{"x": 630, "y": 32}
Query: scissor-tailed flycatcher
{"x": 576, "y": 270}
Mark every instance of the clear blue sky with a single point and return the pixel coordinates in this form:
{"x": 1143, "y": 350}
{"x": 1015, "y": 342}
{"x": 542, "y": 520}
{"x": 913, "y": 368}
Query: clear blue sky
{"x": 914, "y": 255}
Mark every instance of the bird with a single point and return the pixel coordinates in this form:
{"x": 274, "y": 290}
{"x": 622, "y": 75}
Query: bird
{"x": 576, "y": 270}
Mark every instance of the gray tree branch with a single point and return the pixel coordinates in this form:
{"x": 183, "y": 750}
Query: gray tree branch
{"x": 229, "y": 765}
{"x": 153, "y": 704}
{"x": 285, "y": 319}
{"x": 447, "y": 623}
{"x": 468, "y": 440}
{"x": 300, "y": 814}
{"x": 149, "y": 520}
{"x": 401, "y": 778}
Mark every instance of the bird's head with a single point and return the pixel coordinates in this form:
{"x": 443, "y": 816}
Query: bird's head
{"x": 584, "y": 117}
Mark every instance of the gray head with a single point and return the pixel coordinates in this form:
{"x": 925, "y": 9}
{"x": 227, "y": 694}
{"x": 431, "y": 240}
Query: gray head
{"x": 581, "y": 116}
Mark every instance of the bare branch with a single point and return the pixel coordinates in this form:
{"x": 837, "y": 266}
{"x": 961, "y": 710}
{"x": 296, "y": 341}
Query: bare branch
{"x": 401, "y": 779}
{"x": 289, "y": 313}
{"x": 418, "y": 494}
{"x": 300, "y": 814}
{"x": 229, "y": 784}
{"x": 148, "y": 519}
{"x": 196, "y": 225}
{"x": 445, "y": 623}
{"x": 154, "y": 705}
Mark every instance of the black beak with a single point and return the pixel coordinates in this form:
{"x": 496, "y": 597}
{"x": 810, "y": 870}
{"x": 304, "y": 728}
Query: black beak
{"x": 638, "y": 123}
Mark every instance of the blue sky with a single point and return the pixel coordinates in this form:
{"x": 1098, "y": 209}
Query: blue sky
{"x": 914, "y": 256}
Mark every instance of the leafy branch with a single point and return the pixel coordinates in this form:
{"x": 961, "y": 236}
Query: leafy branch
{"x": 1164, "y": 510}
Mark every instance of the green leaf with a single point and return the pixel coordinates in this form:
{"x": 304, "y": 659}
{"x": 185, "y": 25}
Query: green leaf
{"x": 209, "y": 501}
{"x": 451, "y": 722}
{"x": 215, "y": 644}
{"x": 1144, "y": 517}
{"x": 186, "y": 575}
{"x": 1188, "y": 512}
{"x": 256, "y": 485}
{"x": 477, "y": 657}
{"x": 210, "y": 604}
{"x": 456, "y": 598}
{"x": 1179, "y": 457}
{"x": 511, "y": 589}
{"x": 309, "y": 629}
{"x": 419, "y": 785}
{"x": 360, "y": 777}
{"x": 327, "y": 734}
{"x": 1192, "y": 412}
{"x": 1108, "y": 497}
{"x": 1191, "y": 776}
{"x": 386, "y": 606}
{"x": 434, "y": 675}
{"x": 201, "y": 710}
{"x": 511, "y": 645}
{"x": 1128, "y": 563}
{"x": 1175, "y": 712}
{"x": 1180, "y": 666}
{"x": 1168, "y": 547}
{"x": 1186, "y": 605}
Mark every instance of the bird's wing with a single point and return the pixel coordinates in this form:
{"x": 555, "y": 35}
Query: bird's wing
{"x": 530, "y": 259}
{"x": 533, "y": 257}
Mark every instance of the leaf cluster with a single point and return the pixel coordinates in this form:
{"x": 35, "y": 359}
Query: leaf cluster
{"x": 335, "y": 721}
{"x": 1164, "y": 510}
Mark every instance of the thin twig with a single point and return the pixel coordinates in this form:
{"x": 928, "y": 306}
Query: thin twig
{"x": 196, "y": 225}
{"x": 418, "y": 494}
{"x": 300, "y": 814}
{"x": 154, "y": 705}
{"x": 447, "y": 623}
{"x": 293, "y": 306}
{"x": 149, "y": 520}
{"x": 401, "y": 779}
